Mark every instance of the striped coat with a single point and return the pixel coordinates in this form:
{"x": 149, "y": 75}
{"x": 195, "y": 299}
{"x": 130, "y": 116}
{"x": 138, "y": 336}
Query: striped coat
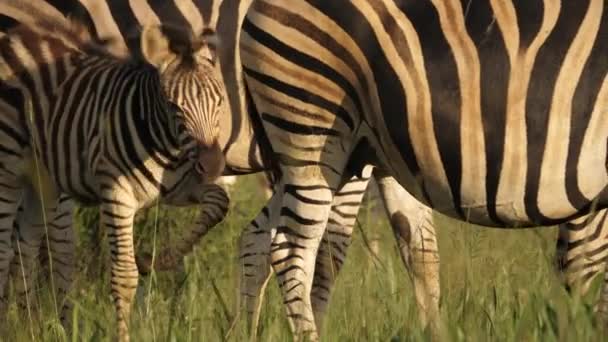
{"x": 121, "y": 133}
{"x": 491, "y": 112}
{"x": 116, "y": 19}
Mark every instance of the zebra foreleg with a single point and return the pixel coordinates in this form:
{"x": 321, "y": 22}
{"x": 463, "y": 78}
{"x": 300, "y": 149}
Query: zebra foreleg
{"x": 582, "y": 253}
{"x": 116, "y": 215}
{"x": 214, "y": 203}
{"x": 335, "y": 243}
{"x": 330, "y": 257}
{"x": 308, "y": 195}
{"x": 582, "y": 249}
{"x": 412, "y": 224}
{"x": 10, "y": 197}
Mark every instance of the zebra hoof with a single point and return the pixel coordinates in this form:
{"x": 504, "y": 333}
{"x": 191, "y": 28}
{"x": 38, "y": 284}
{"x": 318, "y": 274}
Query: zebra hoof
{"x": 166, "y": 260}
{"x": 144, "y": 263}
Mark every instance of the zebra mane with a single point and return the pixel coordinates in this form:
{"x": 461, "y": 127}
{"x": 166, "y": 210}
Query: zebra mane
{"x": 37, "y": 25}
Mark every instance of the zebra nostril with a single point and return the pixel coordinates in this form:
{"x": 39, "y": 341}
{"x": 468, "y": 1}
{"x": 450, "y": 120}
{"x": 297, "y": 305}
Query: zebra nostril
{"x": 200, "y": 168}
{"x": 211, "y": 161}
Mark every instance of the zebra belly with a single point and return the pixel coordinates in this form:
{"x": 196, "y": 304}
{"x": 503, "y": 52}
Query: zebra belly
{"x": 546, "y": 200}
{"x": 75, "y": 179}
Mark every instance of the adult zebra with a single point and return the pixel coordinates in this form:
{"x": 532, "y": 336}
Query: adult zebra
{"x": 586, "y": 247}
{"x": 121, "y": 133}
{"x": 492, "y": 112}
{"x": 410, "y": 220}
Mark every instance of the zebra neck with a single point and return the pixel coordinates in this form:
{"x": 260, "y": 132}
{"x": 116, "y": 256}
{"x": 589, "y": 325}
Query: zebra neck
{"x": 154, "y": 120}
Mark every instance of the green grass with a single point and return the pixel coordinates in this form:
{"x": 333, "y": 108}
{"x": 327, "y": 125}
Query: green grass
{"x": 496, "y": 285}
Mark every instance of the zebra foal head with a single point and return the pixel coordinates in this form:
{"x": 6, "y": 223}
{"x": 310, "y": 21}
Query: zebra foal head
{"x": 190, "y": 81}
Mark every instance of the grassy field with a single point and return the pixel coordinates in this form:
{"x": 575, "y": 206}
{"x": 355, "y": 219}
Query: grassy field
{"x": 497, "y": 285}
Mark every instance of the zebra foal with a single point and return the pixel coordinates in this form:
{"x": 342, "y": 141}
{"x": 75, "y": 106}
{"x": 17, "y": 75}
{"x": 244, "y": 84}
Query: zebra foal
{"x": 120, "y": 133}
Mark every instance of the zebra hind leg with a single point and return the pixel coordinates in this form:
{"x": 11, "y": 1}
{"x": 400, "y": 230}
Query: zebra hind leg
{"x": 412, "y": 224}
{"x": 255, "y": 268}
{"x": 335, "y": 243}
{"x": 60, "y": 257}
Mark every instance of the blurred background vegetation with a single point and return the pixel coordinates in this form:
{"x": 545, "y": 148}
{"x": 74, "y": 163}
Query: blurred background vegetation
{"x": 497, "y": 285}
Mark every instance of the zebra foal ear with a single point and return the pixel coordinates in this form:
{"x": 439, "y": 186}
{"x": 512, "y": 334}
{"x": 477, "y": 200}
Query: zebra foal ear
{"x": 162, "y": 45}
{"x": 155, "y": 46}
{"x": 209, "y": 45}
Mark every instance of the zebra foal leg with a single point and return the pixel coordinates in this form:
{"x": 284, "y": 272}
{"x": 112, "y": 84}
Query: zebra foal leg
{"x": 214, "y": 202}
{"x": 30, "y": 228}
{"x": 602, "y": 305}
{"x": 116, "y": 215}
{"x": 10, "y": 197}
{"x": 412, "y": 224}
{"x": 61, "y": 255}
{"x": 30, "y": 245}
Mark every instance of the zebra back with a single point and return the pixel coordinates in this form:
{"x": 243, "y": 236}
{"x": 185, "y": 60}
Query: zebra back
{"x": 118, "y": 24}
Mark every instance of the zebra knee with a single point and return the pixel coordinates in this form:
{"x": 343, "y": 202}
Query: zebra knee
{"x": 401, "y": 227}
{"x": 403, "y": 233}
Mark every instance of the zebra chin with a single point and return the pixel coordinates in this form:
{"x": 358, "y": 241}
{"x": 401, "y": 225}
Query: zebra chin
{"x": 211, "y": 162}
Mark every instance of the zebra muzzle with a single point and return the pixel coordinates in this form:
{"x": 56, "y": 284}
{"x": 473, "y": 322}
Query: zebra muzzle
{"x": 211, "y": 162}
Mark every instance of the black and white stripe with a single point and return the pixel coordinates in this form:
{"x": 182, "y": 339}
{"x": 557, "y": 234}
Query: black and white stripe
{"x": 117, "y": 20}
{"x": 119, "y": 133}
{"x": 243, "y": 156}
{"x": 491, "y": 112}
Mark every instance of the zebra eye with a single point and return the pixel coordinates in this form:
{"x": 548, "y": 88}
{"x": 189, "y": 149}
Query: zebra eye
{"x": 175, "y": 109}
